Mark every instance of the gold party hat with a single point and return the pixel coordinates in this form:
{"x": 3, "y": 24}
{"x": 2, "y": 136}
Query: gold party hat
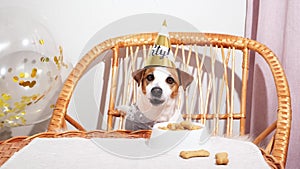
{"x": 161, "y": 53}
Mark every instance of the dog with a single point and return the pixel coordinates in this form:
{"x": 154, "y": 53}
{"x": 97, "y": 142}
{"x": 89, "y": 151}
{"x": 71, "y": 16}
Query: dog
{"x": 159, "y": 83}
{"x": 158, "y": 92}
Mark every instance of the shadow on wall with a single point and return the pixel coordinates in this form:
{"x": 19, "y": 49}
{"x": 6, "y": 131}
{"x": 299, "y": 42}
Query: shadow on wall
{"x": 104, "y": 77}
{"x": 259, "y": 105}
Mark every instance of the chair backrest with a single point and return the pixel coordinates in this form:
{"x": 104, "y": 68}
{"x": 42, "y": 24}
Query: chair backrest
{"x": 216, "y": 98}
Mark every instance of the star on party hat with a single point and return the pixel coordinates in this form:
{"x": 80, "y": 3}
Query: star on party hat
{"x": 161, "y": 55}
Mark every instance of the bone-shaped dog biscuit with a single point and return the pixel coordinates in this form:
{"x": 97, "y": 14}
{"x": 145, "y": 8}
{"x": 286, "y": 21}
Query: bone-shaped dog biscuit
{"x": 195, "y": 153}
{"x": 222, "y": 158}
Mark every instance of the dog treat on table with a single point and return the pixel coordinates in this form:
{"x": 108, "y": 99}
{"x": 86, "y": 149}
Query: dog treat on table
{"x": 222, "y": 158}
{"x": 171, "y": 126}
{"x": 189, "y": 125}
{"x": 184, "y": 125}
{"x": 195, "y": 153}
{"x": 179, "y": 127}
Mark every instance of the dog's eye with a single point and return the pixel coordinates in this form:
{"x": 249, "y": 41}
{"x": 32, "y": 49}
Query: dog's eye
{"x": 170, "y": 80}
{"x": 150, "y": 77}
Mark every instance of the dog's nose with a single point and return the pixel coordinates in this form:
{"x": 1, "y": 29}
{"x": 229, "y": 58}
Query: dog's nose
{"x": 156, "y": 91}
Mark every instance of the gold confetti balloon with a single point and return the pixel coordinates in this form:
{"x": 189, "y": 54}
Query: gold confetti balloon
{"x": 31, "y": 63}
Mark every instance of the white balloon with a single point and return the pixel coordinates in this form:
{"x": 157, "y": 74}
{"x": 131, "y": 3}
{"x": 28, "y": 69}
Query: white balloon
{"x": 30, "y": 69}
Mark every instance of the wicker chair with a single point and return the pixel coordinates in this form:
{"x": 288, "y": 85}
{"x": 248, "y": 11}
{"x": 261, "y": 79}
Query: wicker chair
{"x": 210, "y": 100}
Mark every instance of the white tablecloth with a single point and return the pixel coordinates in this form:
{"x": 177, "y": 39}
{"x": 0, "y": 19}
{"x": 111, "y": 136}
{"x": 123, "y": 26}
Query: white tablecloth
{"x": 79, "y": 153}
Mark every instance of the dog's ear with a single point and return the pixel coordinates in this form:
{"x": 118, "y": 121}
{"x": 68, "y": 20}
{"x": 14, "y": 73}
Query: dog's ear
{"x": 185, "y": 79}
{"x": 137, "y": 75}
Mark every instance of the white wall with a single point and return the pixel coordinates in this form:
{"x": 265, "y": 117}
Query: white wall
{"x": 75, "y": 22}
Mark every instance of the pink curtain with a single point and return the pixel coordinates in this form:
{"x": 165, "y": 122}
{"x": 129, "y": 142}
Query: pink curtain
{"x": 275, "y": 23}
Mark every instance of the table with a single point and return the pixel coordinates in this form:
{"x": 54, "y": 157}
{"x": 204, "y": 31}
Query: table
{"x": 78, "y": 153}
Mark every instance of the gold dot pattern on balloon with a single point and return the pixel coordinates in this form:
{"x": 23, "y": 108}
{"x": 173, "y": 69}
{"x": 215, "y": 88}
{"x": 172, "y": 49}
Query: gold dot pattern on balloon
{"x": 31, "y": 84}
{"x": 27, "y": 83}
{"x": 19, "y": 106}
{"x": 4, "y": 101}
{"x": 28, "y": 99}
{"x": 15, "y": 78}
{"x": 39, "y": 98}
{"x": 34, "y": 97}
{"x": 33, "y": 72}
{"x": 41, "y": 41}
{"x": 6, "y": 96}
{"x": 13, "y": 116}
{"x": 22, "y": 75}
{"x": 59, "y": 60}
{"x": 44, "y": 59}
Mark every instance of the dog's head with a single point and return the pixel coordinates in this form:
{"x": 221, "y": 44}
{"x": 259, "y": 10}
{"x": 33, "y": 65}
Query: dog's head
{"x": 160, "y": 84}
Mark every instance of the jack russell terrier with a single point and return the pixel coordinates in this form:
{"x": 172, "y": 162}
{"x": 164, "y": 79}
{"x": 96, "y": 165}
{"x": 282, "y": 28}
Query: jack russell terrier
{"x": 158, "y": 88}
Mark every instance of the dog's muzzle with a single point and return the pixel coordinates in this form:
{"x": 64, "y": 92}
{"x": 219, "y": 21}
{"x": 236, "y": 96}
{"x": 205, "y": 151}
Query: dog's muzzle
{"x": 156, "y": 93}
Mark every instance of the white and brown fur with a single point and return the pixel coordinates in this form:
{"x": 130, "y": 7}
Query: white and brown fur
{"x": 158, "y": 92}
